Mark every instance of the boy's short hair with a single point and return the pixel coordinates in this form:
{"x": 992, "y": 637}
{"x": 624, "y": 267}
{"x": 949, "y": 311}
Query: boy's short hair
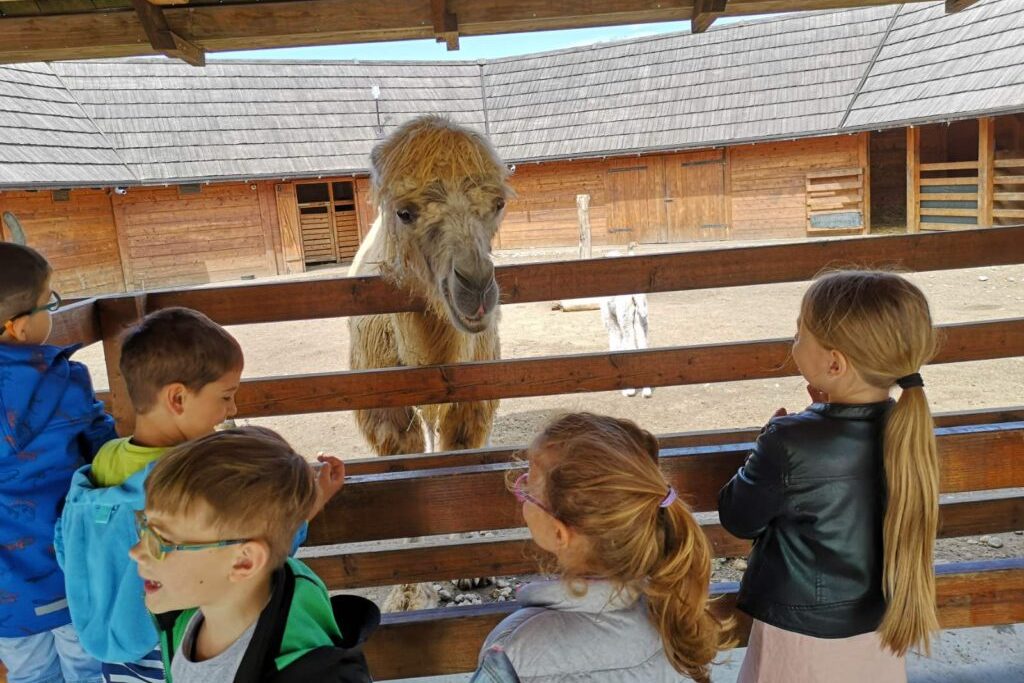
{"x": 175, "y": 345}
{"x": 23, "y": 273}
{"x": 252, "y": 482}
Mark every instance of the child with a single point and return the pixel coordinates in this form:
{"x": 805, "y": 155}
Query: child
{"x": 220, "y": 515}
{"x": 840, "y": 582}
{"x": 632, "y": 600}
{"x": 182, "y": 371}
{"x": 52, "y": 424}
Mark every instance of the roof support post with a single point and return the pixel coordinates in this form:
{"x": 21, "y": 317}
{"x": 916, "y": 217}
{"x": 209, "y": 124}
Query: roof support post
{"x": 163, "y": 39}
{"x": 913, "y": 179}
{"x": 986, "y": 169}
{"x": 704, "y": 14}
{"x": 446, "y": 24}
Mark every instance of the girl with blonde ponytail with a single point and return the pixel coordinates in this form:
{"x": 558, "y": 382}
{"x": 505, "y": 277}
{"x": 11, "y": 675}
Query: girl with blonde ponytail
{"x": 842, "y": 499}
{"x": 631, "y": 602}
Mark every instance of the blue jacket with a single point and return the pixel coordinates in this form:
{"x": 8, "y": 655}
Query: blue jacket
{"x": 104, "y": 589}
{"x": 51, "y": 424}
{"x": 105, "y": 593}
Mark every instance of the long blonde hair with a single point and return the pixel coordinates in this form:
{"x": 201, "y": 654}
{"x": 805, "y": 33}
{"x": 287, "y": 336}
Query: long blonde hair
{"x": 882, "y": 324}
{"x": 602, "y": 479}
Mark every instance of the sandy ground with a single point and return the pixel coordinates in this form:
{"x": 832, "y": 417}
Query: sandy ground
{"x": 683, "y": 318}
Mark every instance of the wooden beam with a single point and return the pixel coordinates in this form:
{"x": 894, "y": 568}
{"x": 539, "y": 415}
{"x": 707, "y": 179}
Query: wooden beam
{"x": 446, "y": 24}
{"x": 957, "y": 5}
{"x": 76, "y": 324}
{"x": 459, "y": 500}
{"x": 578, "y": 373}
{"x": 254, "y": 25}
{"x": 704, "y": 14}
{"x": 986, "y": 169}
{"x": 163, "y": 39}
{"x": 508, "y": 557}
{"x": 913, "y": 179}
{"x": 447, "y": 640}
{"x": 329, "y": 298}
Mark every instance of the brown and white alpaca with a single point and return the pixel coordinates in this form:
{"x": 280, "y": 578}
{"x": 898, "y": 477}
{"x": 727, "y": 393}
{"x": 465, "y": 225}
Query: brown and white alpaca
{"x": 440, "y": 192}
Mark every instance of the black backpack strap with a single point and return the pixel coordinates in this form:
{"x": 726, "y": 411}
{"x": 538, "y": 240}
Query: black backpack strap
{"x": 357, "y": 618}
{"x": 266, "y": 639}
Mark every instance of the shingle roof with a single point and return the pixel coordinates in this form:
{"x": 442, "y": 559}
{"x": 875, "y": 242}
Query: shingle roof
{"x": 46, "y": 137}
{"x": 155, "y": 121}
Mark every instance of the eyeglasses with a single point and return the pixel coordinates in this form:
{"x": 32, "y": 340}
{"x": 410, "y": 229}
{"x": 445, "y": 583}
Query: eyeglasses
{"x": 158, "y": 547}
{"x": 522, "y": 495}
{"x": 53, "y": 304}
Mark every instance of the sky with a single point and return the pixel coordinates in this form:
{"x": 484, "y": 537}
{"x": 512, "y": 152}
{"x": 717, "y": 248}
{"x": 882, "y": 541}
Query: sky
{"x": 470, "y": 48}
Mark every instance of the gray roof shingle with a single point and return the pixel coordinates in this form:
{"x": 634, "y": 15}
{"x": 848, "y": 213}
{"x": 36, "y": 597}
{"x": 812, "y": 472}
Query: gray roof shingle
{"x": 159, "y": 121}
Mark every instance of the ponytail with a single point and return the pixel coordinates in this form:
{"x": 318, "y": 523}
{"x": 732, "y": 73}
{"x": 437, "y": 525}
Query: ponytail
{"x": 911, "y": 521}
{"x": 677, "y": 596}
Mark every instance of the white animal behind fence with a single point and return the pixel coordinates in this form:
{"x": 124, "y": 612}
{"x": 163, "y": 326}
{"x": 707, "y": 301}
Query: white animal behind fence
{"x": 625, "y": 318}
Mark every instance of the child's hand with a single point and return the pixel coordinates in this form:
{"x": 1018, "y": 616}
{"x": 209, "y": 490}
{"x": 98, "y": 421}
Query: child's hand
{"x": 781, "y": 412}
{"x": 817, "y": 395}
{"x": 329, "y": 479}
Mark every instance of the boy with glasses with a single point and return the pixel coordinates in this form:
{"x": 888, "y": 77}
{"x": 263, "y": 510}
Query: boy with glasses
{"x": 220, "y": 516}
{"x": 52, "y": 424}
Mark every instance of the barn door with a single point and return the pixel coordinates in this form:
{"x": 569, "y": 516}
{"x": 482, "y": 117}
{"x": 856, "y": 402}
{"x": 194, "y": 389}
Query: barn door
{"x": 328, "y": 221}
{"x": 695, "y": 196}
{"x": 633, "y": 203}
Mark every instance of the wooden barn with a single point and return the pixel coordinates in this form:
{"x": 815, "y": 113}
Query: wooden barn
{"x": 146, "y": 173}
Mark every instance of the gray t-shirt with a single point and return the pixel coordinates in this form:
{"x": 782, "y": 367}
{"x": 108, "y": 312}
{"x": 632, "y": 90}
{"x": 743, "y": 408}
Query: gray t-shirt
{"x": 219, "y": 669}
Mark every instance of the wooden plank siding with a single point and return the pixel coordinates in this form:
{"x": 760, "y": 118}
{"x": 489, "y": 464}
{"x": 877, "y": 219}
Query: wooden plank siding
{"x": 769, "y": 183}
{"x": 175, "y": 239}
{"x": 77, "y": 236}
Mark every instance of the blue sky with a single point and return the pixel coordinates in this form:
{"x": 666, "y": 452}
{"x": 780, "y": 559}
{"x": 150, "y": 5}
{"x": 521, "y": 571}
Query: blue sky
{"x": 481, "y": 47}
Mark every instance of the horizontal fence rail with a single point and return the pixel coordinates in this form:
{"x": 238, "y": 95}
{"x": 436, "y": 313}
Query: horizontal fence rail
{"x": 552, "y": 375}
{"x": 447, "y": 641}
{"x": 464, "y": 499}
{"x": 337, "y": 297}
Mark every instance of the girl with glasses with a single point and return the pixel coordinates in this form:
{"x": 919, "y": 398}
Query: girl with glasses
{"x": 631, "y": 599}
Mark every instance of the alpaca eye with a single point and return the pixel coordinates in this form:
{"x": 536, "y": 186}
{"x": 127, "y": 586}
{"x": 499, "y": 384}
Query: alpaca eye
{"x": 405, "y": 215}
{"x": 499, "y": 204}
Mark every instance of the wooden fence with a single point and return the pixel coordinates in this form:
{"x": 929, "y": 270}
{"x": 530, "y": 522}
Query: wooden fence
{"x": 449, "y": 493}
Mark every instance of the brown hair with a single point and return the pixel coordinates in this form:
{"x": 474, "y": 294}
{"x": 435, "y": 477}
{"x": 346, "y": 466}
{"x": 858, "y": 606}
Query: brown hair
{"x": 253, "y": 483}
{"x": 882, "y": 324}
{"x": 602, "y": 479}
{"x": 175, "y": 345}
{"x": 23, "y": 273}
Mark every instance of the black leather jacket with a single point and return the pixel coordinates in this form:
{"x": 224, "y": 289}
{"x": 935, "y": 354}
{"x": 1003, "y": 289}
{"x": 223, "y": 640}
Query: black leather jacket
{"x": 812, "y": 496}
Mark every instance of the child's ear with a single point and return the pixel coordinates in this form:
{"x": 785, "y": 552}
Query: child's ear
{"x": 250, "y": 560}
{"x": 563, "y": 535}
{"x": 174, "y": 396}
{"x": 18, "y": 328}
{"x": 838, "y": 364}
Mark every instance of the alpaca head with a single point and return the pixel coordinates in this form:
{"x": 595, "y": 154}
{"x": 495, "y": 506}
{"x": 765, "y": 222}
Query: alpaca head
{"x": 441, "y": 191}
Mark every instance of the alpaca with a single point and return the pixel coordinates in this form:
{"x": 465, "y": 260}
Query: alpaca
{"x": 440, "y": 192}
{"x": 625, "y": 318}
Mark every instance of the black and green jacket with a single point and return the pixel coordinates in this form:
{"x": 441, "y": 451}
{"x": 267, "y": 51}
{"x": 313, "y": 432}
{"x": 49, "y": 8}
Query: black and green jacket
{"x": 301, "y": 635}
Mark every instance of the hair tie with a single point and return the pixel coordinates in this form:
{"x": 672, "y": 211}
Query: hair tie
{"x": 669, "y": 498}
{"x": 911, "y": 380}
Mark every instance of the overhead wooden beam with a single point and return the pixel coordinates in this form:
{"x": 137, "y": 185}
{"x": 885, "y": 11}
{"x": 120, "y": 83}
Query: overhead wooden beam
{"x": 957, "y": 5}
{"x": 446, "y": 24}
{"x": 163, "y": 39}
{"x": 704, "y": 14}
{"x": 253, "y": 25}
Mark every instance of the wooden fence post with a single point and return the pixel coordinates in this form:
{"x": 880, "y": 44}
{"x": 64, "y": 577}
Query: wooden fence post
{"x": 986, "y": 169}
{"x": 583, "y": 211}
{"x": 913, "y": 179}
{"x": 115, "y": 315}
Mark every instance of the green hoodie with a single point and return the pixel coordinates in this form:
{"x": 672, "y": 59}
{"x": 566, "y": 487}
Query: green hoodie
{"x": 297, "y": 636}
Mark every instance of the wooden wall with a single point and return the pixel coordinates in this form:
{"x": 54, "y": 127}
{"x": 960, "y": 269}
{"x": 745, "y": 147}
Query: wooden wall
{"x": 77, "y": 236}
{"x": 544, "y": 212}
{"x": 889, "y": 178}
{"x": 169, "y": 239}
{"x": 768, "y": 183}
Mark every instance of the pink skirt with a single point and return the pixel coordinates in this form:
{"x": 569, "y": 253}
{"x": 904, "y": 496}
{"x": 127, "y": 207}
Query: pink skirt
{"x": 778, "y": 656}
